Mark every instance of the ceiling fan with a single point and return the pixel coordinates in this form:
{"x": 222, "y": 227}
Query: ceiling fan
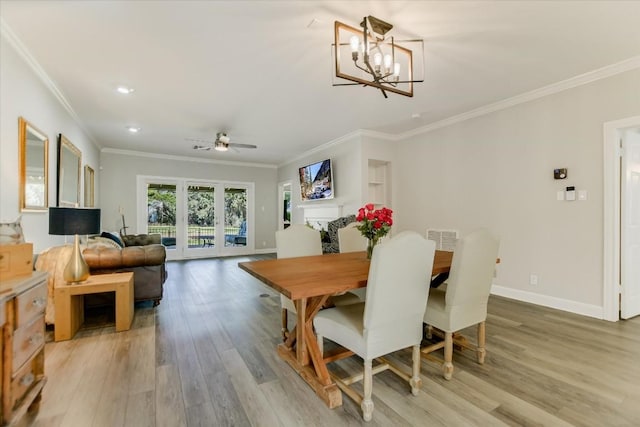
{"x": 221, "y": 143}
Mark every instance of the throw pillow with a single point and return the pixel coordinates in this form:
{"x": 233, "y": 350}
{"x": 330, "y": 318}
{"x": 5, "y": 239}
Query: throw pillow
{"x": 113, "y": 236}
{"x": 102, "y": 242}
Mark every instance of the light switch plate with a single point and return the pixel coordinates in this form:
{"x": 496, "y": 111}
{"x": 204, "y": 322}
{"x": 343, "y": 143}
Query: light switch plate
{"x": 582, "y": 195}
{"x": 560, "y": 196}
{"x": 570, "y": 193}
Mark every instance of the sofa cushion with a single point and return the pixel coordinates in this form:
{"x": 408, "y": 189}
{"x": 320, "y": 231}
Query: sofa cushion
{"x": 101, "y": 258}
{"x": 141, "y": 239}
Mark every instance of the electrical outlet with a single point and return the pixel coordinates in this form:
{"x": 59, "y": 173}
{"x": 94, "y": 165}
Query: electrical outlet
{"x": 533, "y": 279}
{"x": 264, "y": 243}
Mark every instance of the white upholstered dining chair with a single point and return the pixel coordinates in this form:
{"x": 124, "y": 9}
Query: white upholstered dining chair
{"x": 350, "y": 239}
{"x": 390, "y": 319}
{"x": 464, "y": 301}
{"x": 295, "y": 241}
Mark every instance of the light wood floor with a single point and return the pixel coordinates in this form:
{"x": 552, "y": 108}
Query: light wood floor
{"x": 206, "y": 357}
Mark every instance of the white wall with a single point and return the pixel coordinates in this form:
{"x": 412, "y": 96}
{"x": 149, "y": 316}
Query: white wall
{"x": 377, "y": 147}
{"x": 345, "y": 156}
{"x": 118, "y": 174}
{"x": 496, "y": 171}
{"x": 22, "y": 93}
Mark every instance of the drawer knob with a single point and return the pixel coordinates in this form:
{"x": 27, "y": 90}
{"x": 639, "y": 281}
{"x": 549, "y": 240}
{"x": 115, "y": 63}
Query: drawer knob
{"x": 27, "y": 380}
{"x": 38, "y": 302}
{"x": 36, "y": 338}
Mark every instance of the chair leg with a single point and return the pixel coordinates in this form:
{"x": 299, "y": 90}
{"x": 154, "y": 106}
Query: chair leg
{"x": 320, "y": 344}
{"x": 481, "y": 341}
{"x": 447, "y": 368}
{"x": 285, "y": 326}
{"x": 415, "y": 381}
{"x": 367, "y": 403}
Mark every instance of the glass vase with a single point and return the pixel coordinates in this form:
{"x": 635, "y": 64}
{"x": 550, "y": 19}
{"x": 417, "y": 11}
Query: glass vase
{"x": 371, "y": 243}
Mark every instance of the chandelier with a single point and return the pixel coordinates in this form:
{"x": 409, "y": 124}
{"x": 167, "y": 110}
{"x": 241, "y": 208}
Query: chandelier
{"x": 370, "y": 56}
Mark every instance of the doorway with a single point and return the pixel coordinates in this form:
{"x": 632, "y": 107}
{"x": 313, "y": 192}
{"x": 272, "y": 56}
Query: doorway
{"x": 284, "y": 205}
{"x": 622, "y": 219}
{"x": 197, "y": 218}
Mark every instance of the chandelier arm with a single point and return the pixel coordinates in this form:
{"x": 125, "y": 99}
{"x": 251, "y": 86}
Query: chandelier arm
{"x": 361, "y": 68}
{"x": 377, "y": 80}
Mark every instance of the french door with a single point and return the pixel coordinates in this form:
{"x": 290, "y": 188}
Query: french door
{"x": 197, "y": 218}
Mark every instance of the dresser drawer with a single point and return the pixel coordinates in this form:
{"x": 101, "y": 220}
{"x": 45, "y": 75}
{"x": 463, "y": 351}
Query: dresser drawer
{"x": 26, "y": 377}
{"x": 30, "y": 304}
{"x": 26, "y": 341}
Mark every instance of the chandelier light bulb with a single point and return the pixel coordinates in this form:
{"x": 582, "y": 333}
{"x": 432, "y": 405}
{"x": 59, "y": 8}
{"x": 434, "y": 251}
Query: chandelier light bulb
{"x": 355, "y": 43}
{"x": 377, "y": 59}
{"x": 387, "y": 62}
{"x": 396, "y": 70}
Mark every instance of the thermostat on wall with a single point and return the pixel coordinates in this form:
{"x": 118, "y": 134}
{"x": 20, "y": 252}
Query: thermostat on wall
{"x": 560, "y": 173}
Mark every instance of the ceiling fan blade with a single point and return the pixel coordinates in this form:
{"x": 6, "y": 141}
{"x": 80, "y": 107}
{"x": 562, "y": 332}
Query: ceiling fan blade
{"x": 233, "y": 144}
{"x": 202, "y": 147}
{"x": 200, "y": 140}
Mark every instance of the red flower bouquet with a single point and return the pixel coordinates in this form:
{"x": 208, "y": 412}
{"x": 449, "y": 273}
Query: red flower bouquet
{"x": 374, "y": 224}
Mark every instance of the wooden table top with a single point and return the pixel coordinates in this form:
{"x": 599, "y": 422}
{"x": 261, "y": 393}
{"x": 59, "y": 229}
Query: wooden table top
{"x": 328, "y": 274}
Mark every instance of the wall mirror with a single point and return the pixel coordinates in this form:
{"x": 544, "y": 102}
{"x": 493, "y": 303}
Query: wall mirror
{"x": 69, "y": 165}
{"x": 33, "y": 166}
{"x": 89, "y": 177}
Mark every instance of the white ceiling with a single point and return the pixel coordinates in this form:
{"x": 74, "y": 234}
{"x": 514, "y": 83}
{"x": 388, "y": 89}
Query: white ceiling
{"x": 259, "y": 71}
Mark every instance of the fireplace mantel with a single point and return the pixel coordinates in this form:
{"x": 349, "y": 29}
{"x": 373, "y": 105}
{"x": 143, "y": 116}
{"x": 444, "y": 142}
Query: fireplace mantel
{"x": 319, "y": 214}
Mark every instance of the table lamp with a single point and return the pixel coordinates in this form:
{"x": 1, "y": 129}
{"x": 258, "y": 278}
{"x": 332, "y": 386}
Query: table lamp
{"x": 68, "y": 221}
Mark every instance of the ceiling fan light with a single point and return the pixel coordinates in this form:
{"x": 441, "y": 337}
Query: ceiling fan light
{"x": 221, "y": 146}
{"x": 222, "y": 137}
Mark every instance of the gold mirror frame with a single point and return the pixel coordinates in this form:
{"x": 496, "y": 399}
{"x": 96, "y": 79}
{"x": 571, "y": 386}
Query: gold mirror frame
{"x": 89, "y": 183}
{"x": 33, "y": 165}
{"x": 69, "y": 166}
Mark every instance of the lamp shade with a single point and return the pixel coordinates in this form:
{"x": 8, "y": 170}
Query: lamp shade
{"x": 68, "y": 221}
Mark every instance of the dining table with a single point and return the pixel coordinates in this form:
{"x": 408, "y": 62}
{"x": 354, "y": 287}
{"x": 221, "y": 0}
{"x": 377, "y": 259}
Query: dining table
{"x": 309, "y": 282}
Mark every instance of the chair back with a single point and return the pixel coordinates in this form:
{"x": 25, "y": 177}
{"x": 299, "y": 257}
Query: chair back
{"x": 350, "y": 239}
{"x": 472, "y": 268}
{"x": 398, "y": 286}
{"x": 298, "y": 240}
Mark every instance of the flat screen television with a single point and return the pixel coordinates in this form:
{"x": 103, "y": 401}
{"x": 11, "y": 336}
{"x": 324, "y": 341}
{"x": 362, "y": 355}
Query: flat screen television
{"x": 316, "y": 181}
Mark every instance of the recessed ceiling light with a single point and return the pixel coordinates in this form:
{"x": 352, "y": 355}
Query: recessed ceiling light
{"x": 133, "y": 129}
{"x": 415, "y": 116}
{"x": 125, "y": 90}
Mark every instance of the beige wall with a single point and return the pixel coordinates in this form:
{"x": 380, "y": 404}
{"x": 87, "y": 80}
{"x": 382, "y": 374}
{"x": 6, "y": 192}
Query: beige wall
{"x": 22, "y": 93}
{"x": 496, "y": 171}
{"x": 119, "y": 172}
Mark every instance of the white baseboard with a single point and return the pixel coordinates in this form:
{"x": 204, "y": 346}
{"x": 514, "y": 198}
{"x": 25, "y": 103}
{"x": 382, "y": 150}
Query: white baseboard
{"x": 265, "y": 251}
{"x": 548, "y": 301}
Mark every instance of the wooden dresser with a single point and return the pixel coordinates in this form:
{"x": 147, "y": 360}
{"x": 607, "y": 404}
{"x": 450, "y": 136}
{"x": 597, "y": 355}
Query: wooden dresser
{"x": 22, "y": 303}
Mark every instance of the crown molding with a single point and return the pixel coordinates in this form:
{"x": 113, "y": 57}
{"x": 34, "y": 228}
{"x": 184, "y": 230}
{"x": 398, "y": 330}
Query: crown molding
{"x": 340, "y": 140}
{"x": 579, "y": 80}
{"x": 11, "y": 37}
{"x": 185, "y": 158}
